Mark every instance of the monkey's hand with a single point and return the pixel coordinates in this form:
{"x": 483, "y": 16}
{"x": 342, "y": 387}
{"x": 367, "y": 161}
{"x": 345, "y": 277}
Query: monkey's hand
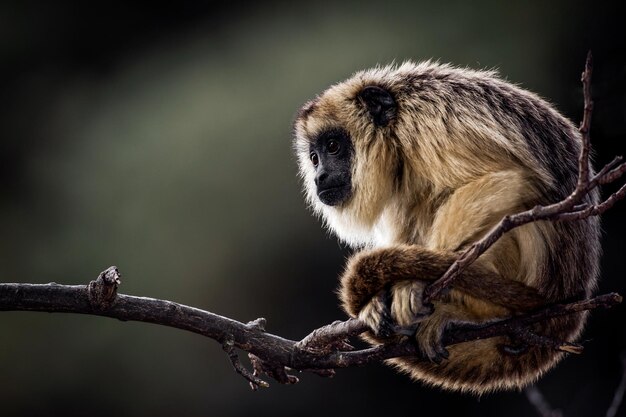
{"x": 397, "y": 311}
{"x": 384, "y": 288}
{"x": 375, "y": 289}
{"x": 385, "y": 285}
{"x": 400, "y": 311}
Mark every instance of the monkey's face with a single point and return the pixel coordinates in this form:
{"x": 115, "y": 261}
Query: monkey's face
{"x": 330, "y": 153}
{"x": 348, "y": 157}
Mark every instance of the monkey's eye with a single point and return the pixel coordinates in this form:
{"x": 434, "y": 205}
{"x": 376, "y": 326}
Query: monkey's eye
{"x": 315, "y": 159}
{"x": 333, "y": 146}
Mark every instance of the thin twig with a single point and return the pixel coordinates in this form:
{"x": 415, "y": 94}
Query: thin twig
{"x": 619, "y": 392}
{"x": 532, "y": 339}
{"x": 536, "y": 398}
{"x": 585, "y": 127}
{"x": 255, "y": 382}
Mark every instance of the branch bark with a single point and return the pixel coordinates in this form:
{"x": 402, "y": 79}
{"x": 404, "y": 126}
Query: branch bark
{"x": 320, "y": 352}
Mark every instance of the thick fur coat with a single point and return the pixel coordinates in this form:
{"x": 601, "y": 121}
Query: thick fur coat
{"x": 456, "y": 151}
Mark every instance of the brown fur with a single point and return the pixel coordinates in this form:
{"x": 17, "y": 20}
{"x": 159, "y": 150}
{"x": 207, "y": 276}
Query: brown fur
{"x": 464, "y": 149}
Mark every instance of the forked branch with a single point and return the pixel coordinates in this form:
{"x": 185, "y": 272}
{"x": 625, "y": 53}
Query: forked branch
{"x": 320, "y": 352}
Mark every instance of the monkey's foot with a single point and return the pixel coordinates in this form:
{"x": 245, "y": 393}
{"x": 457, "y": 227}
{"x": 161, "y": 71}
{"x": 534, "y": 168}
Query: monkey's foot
{"x": 429, "y": 337}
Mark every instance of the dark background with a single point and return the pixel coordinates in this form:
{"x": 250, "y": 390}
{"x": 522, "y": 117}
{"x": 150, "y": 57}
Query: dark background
{"x": 156, "y": 137}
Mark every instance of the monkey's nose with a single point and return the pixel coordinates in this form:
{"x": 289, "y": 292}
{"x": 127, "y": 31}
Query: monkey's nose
{"x": 320, "y": 178}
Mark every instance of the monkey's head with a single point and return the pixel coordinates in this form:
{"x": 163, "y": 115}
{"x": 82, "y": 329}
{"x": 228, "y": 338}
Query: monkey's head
{"x": 347, "y": 166}
{"x": 394, "y": 138}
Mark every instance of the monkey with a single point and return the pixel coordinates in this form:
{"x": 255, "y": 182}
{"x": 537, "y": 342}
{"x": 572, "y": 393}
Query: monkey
{"x": 410, "y": 164}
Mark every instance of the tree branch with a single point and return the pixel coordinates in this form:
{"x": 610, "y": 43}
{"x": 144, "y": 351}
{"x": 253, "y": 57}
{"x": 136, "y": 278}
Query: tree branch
{"x": 541, "y": 405}
{"x": 536, "y": 398}
{"x": 320, "y": 352}
{"x": 619, "y": 391}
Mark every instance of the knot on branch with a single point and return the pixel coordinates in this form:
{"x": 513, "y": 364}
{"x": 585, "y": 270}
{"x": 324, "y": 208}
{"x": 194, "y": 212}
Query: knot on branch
{"x": 258, "y": 324}
{"x": 103, "y": 290}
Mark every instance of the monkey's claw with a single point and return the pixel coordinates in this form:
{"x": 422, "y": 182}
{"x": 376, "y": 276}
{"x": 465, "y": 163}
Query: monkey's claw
{"x": 377, "y": 315}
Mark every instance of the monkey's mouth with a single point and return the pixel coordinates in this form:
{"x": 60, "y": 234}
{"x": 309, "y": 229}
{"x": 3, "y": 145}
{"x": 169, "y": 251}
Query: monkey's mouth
{"x": 334, "y": 196}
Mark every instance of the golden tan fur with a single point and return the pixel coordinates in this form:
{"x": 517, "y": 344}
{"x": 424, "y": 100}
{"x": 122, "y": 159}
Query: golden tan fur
{"x": 464, "y": 149}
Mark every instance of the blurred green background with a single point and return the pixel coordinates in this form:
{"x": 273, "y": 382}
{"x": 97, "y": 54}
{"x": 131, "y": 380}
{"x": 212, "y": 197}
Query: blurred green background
{"x": 157, "y": 137}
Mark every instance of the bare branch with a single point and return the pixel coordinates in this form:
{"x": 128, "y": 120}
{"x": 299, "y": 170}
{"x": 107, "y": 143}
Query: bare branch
{"x": 571, "y": 208}
{"x": 585, "y": 127}
{"x": 536, "y": 398}
{"x": 320, "y": 352}
{"x": 255, "y": 382}
{"x": 533, "y": 339}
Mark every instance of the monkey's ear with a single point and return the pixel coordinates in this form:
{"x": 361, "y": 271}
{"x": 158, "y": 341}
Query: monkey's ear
{"x": 379, "y": 103}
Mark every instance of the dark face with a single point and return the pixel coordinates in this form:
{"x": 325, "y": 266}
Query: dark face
{"x": 331, "y": 155}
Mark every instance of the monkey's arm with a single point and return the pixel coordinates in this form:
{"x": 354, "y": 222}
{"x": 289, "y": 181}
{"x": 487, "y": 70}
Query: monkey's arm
{"x": 384, "y": 287}
{"x": 369, "y": 272}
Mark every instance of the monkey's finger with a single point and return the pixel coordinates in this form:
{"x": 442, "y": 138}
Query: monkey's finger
{"x": 386, "y": 324}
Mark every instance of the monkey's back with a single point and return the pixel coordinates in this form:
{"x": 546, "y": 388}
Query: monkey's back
{"x": 569, "y": 266}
